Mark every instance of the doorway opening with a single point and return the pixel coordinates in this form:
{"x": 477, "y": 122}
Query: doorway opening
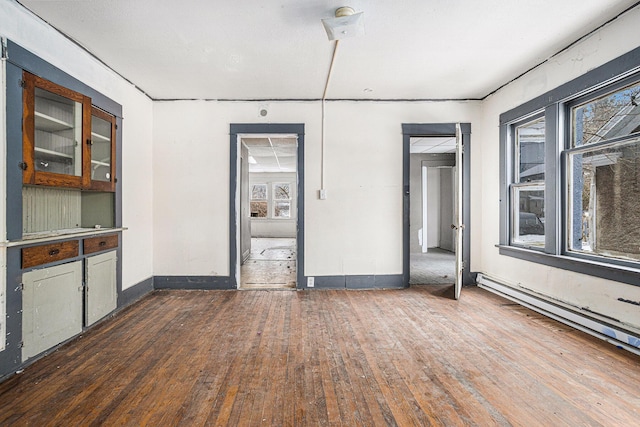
{"x": 269, "y": 242}
{"x": 432, "y": 239}
{"x": 266, "y": 240}
{"x": 436, "y": 196}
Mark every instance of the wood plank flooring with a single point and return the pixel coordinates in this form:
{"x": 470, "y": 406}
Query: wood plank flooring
{"x": 271, "y": 264}
{"x": 328, "y": 358}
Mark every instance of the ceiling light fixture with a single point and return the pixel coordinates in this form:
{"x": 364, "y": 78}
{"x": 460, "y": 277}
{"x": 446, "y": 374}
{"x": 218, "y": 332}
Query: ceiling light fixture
{"x": 347, "y": 23}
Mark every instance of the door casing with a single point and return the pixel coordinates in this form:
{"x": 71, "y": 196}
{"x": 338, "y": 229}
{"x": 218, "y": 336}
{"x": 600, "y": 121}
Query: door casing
{"x": 234, "y": 198}
{"x": 410, "y": 130}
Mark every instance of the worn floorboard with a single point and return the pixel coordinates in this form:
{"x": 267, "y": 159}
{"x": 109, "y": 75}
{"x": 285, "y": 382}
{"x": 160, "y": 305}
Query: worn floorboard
{"x": 328, "y": 358}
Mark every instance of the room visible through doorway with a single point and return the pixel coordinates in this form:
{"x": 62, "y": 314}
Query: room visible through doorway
{"x": 268, "y": 212}
{"x": 432, "y": 210}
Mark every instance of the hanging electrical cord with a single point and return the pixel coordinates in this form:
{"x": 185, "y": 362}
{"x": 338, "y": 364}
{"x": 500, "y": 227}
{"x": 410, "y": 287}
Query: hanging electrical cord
{"x": 324, "y": 97}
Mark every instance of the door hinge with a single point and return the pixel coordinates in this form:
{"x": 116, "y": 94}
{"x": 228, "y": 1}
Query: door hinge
{"x": 22, "y": 84}
{"x": 21, "y": 344}
{"x": 20, "y": 287}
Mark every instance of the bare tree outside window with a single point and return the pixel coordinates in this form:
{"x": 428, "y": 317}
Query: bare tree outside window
{"x": 282, "y": 197}
{"x": 259, "y": 204}
{"x": 605, "y": 180}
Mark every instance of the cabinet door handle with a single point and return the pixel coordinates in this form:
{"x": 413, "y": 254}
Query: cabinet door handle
{"x": 53, "y": 252}
{"x": 103, "y": 243}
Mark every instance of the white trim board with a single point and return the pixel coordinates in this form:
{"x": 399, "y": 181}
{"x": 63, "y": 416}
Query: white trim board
{"x": 591, "y": 326}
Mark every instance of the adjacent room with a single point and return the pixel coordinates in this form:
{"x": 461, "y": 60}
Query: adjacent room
{"x": 311, "y": 212}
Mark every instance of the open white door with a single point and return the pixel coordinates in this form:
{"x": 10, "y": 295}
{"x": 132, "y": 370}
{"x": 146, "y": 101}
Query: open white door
{"x": 458, "y": 226}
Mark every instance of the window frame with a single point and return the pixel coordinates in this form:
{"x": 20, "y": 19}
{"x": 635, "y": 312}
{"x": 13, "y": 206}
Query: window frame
{"x": 516, "y": 184}
{"x": 271, "y": 200}
{"x": 266, "y": 199}
{"x": 276, "y": 200}
{"x": 556, "y": 106}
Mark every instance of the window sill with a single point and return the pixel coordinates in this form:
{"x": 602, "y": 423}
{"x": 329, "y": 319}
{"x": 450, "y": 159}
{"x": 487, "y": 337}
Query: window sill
{"x": 618, "y": 273}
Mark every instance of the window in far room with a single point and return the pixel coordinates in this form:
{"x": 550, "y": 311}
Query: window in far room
{"x": 282, "y": 200}
{"x": 259, "y": 202}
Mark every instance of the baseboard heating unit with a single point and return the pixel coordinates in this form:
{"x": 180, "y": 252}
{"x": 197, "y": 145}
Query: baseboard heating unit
{"x": 591, "y": 325}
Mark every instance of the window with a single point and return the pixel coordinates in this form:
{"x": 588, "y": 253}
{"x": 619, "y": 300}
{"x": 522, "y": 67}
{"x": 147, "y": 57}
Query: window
{"x": 282, "y": 201}
{"x": 527, "y": 190}
{"x": 603, "y": 168}
{"x": 570, "y": 174}
{"x": 259, "y": 203}
{"x": 272, "y": 200}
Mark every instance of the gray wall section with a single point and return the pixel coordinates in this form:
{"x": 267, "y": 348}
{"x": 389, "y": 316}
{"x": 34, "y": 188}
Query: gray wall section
{"x": 390, "y": 281}
{"x": 14, "y": 152}
{"x": 11, "y": 357}
{"x": 135, "y": 293}
{"x": 192, "y": 282}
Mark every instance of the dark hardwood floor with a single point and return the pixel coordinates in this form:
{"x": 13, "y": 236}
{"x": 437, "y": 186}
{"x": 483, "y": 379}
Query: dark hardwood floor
{"x": 298, "y": 358}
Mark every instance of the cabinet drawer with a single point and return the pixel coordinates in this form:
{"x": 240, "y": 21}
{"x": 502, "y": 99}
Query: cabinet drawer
{"x": 44, "y": 254}
{"x": 100, "y": 243}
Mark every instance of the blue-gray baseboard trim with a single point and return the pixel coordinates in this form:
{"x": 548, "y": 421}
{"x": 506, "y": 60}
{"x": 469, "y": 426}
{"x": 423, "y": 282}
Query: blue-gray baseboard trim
{"x": 135, "y": 292}
{"x": 192, "y": 282}
{"x": 388, "y": 281}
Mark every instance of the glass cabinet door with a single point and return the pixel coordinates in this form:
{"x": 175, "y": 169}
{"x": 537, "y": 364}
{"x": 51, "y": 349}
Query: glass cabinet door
{"x": 53, "y": 133}
{"x": 58, "y": 134}
{"x": 102, "y": 168}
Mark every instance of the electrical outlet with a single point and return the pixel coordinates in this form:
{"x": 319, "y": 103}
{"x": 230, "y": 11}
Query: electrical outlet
{"x": 310, "y": 282}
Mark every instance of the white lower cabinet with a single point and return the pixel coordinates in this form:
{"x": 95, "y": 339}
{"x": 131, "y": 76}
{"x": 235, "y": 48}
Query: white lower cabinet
{"x": 54, "y": 301}
{"x": 101, "y": 296}
{"x": 52, "y": 307}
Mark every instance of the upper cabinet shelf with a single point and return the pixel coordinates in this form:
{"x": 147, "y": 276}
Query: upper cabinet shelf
{"x": 50, "y": 124}
{"x": 66, "y": 141}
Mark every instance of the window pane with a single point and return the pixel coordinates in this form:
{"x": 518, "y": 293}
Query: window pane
{"x": 281, "y": 192}
{"x": 610, "y": 116}
{"x": 282, "y": 209}
{"x": 259, "y": 192}
{"x": 258, "y": 209}
{"x": 58, "y": 134}
{"x": 100, "y": 149}
{"x": 604, "y": 201}
{"x": 530, "y": 149}
{"x": 529, "y": 215}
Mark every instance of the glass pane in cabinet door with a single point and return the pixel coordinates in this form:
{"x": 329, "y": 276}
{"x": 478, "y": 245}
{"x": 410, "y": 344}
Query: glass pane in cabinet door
{"x": 58, "y": 134}
{"x": 100, "y": 149}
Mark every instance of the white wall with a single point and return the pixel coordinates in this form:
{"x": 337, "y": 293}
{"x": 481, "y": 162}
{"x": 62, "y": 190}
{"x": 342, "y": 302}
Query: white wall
{"x": 600, "y": 296}
{"x": 25, "y": 29}
{"x": 433, "y": 207}
{"x": 447, "y": 186}
{"x": 357, "y": 230}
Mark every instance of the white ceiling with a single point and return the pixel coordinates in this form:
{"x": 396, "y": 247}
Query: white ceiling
{"x": 271, "y": 154}
{"x": 432, "y": 145}
{"x": 277, "y": 49}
